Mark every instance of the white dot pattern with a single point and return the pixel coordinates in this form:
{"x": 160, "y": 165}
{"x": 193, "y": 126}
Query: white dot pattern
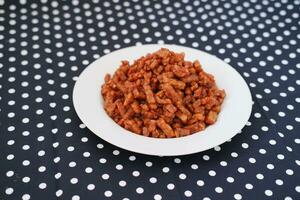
{"x": 48, "y": 152}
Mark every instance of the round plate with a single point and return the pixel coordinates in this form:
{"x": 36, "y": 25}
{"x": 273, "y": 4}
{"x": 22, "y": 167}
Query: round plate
{"x": 235, "y": 112}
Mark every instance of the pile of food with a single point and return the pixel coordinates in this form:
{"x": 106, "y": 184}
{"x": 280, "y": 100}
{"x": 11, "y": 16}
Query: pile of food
{"x": 163, "y": 96}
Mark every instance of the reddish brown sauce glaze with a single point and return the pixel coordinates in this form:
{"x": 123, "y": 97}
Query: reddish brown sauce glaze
{"x": 162, "y": 95}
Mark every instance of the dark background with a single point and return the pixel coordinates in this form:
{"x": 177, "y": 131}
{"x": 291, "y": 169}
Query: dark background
{"x": 46, "y": 152}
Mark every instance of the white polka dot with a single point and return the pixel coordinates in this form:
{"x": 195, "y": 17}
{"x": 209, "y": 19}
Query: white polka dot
{"x": 11, "y": 128}
{"x": 249, "y": 186}
{"x": 26, "y": 162}
{"x": 72, "y": 164}
{"x": 268, "y": 192}
{"x": 108, "y": 193}
{"x": 230, "y": 179}
{"x": 157, "y": 197}
{"x": 10, "y": 173}
{"x": 200, "y": 183}
{"x": 279, "y": 182}
{"x": 25, "y": 197}
{"x": 132, "y": 158}
{"x": 59, "y": 193}
{"x": 135, "y": 173}
{"x": 262, "y": 151}
{"x": 88, "y": 170}
{"x": 259, "y": 176}
{"x": 219, "y": 189}
{"x": 75, "y": 197}
{"x": 182, "y": 176}
{"x": 119, "y": 167}
{"x": 234, "y": 154}
{"x": 166, "y": 169}
{"x": 153, "y": 180}
{"x": 139, "y": 190}
{"x": 170, "y": 186}
{"x": 74, "y": 180}
{"x": 188, "y": 193}
{"x": 148, "y": 164}
{"x": 41, "y": 153}
{"x": 289, "y": 172}
{"x": 105, "y": 176}
{"x": 270, "y": 166}
{"x": 280, "y": 156}
{"x": 116, "y": 152}
{"x": 205, "y": 157}
{"x": 56, "y": 159}
{"x": 42, "y": 185}
{"x": 122, "y": 183}
{"x": 9, "y": 191}
{"x": 57, "y": 175}
{"x": 255, "y": 137}
{"x": 212, "y": 173}
{"x": 25, "y": 179}
{"x": 245, "y": 145}
{"x": 194, "y": 166}
{"x": 289, "y": 127}
{"x": 237, "y": 196}
{"x": 86, "y": 154}
{"x": 91, "y": 187}
{"x": 69, "y": 134}
{"x": 223, "y": 163}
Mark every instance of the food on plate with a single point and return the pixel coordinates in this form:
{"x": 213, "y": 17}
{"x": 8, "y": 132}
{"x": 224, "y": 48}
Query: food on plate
{"x": 162, "y": 95}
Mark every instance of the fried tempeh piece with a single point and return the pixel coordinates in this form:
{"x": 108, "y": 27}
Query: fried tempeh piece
{"x": 128, "y": 99}
{"x": 149, "y": 94}
{"x": 175, "y": 83}
{"x": 211, "y": 117}
{"x": 180, "y": 71}
{"x": 166, "y": 128}
{"x": 183, "y": 117}
{"x": 171, "y": 93}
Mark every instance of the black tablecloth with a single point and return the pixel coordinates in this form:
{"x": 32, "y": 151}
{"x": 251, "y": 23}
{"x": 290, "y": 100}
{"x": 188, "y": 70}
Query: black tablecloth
{"x": 47, "y": 153}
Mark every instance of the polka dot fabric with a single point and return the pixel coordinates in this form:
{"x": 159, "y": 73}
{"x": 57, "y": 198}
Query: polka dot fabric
{"x": 47, "y": 152}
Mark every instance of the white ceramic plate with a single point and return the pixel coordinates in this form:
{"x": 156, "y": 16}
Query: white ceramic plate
{"x": 235, "y": 112}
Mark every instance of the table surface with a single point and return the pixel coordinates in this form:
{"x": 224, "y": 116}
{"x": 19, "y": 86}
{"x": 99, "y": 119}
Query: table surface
{"x": 46, "y": 151}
